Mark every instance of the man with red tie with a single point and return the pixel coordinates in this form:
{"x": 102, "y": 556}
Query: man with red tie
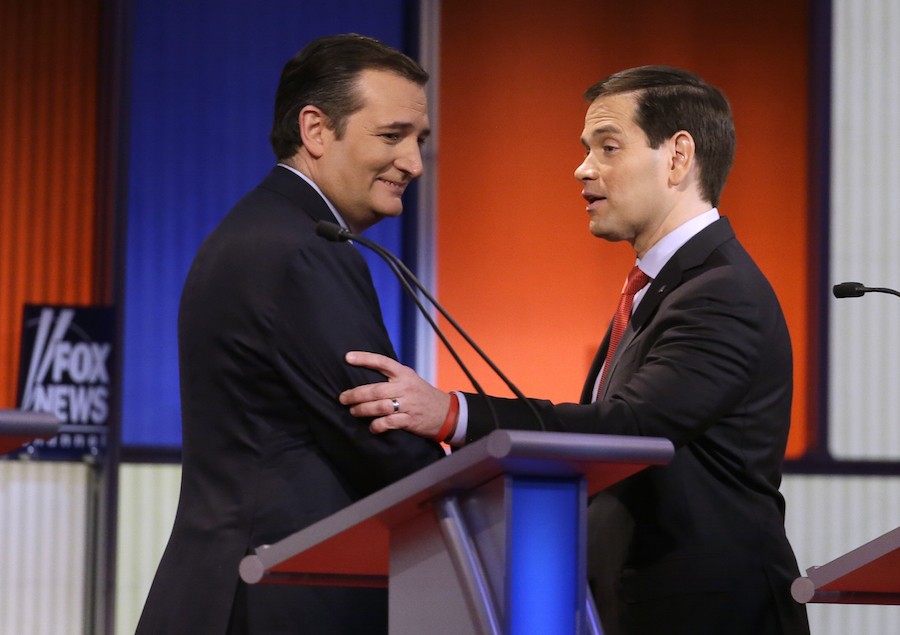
{"x": 698, "y": 353}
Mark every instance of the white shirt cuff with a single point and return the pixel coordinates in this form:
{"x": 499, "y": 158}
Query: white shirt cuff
{"x": 462, "y": 422}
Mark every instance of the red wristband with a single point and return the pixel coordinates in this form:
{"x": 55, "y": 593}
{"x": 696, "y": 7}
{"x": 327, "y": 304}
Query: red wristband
{"x": 449, "y": 424}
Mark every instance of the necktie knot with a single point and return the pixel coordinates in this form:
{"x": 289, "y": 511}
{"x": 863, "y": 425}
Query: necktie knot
{"x": 635, "y": 282}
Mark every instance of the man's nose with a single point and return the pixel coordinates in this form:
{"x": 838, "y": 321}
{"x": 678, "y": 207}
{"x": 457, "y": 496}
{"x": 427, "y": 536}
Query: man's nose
{"x": 585, "y": 171}
{"x": 410, "y": 161}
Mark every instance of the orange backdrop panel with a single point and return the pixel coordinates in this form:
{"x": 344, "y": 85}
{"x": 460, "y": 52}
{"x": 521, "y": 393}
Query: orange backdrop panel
{"x": 48, "y": 94}
{"x": 516, "y": 263}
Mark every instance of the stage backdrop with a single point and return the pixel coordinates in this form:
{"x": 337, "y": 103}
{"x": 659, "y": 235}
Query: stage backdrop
{"x": 203, "y": 78}
{"x": 50, "y": 236}
{"x": 516, "y": 263}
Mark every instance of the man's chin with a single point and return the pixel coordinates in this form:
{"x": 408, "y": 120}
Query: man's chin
{"x": 388, "y": 212}
{"x": 606, "y": 233}
{"x": 597, "y": 229}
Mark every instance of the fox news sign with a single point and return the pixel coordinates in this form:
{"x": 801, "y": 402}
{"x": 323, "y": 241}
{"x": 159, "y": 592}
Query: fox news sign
{"x": 66, "y": 370}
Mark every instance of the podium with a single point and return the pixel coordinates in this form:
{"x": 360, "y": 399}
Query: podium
{"x": 18, "y": 427}
{"x": 870, "y": 574}
{"x": 491, "y": 539}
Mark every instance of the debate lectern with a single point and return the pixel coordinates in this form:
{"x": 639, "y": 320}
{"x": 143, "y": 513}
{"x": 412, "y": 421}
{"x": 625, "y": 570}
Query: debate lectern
{"x": 870, "y": 574}
{"x": 18, "y": 427}
{"x": 489, "y": 540}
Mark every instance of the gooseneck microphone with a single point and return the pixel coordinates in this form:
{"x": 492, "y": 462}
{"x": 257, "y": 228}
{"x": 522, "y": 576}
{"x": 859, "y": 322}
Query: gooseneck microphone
{"x": 332, "y": 231}
{"x": 856, "y": 289}
{"x": 336, "y": 233}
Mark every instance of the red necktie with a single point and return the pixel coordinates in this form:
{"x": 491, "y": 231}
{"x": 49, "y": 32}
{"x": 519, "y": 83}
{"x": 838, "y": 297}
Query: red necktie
{"x": 635, "y": 282}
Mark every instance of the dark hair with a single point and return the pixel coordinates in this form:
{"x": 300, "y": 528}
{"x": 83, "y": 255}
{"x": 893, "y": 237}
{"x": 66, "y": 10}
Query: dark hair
{"x": 324, "y": 75}
{"x": 671, "y": 99}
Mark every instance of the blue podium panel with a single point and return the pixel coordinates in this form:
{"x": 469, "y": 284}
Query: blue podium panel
{"x": 505, "y": 557}
{"x": 543, "y": 594}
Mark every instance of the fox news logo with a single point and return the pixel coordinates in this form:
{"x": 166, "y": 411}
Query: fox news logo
{"x": 68, "y": 370}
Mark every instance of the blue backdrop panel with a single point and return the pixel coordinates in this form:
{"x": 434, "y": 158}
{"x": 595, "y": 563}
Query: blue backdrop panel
{"x": 203, "y": 77}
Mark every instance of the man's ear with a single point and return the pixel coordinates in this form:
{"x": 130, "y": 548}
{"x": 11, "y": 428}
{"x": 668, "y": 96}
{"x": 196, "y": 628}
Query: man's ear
{"x": 682, "y": 157}
{"x": 314, "y": 130}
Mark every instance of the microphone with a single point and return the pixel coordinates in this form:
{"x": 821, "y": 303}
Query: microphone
{"x": 335, "y": 233}
{"x": 332, "y": 231}
{"x": 856, "y": 289}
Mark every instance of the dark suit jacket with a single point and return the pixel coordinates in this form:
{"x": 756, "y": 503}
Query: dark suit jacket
{"x": 267, "y": 312}
{"x": 706, "y": 363}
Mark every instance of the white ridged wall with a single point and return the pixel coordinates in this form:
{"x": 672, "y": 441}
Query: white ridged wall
{"x": 43, "y": 523}
{"x": 148, "y": 497}
{"x": 827, "y": 516}
{"x": 44, "y": 511}
{"x": 864, "y": 340}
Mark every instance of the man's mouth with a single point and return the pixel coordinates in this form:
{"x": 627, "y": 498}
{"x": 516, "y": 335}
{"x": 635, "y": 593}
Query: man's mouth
{"x": 394, "y": 185}
{"x": 592, "y": 198}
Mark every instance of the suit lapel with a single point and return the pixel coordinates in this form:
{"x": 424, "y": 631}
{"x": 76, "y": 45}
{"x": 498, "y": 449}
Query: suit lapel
{"x": 692, "y": 254}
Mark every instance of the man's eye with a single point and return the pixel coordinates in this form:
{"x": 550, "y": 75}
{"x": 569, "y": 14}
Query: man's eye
{"x": 609, "y": 148}
{"x": 391, "y": 136}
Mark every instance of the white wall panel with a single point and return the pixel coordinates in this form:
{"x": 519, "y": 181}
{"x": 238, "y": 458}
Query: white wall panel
{"x": 148, "y": 496}
{"x": 43, "y": 528}
{"x": 827, "y": 516}
{"x": 864, "y": 338}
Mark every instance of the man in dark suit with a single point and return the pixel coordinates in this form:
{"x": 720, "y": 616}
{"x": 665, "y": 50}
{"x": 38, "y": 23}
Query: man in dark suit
{"x": 267, "y": 312}
{"x": 703, "y": 358}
